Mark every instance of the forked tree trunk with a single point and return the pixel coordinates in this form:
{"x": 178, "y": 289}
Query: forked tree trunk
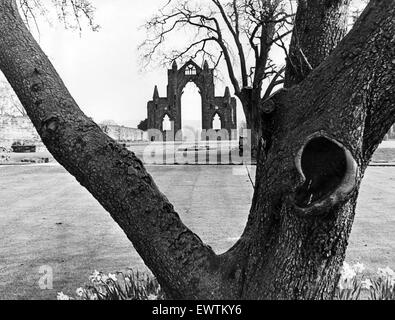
{"x": 322, "y": 135}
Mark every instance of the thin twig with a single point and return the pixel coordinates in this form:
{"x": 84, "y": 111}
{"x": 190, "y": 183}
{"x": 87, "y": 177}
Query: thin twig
{"x": 249, "y": 176}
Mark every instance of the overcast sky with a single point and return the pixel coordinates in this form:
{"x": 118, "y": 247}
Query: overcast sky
{"x": 101, "y": 68}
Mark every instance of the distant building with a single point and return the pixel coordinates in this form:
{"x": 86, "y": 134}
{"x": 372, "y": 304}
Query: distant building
{"x": 218, "y": 112}
{"x": 19, "y": 128}
{"x": 122, "y": 133}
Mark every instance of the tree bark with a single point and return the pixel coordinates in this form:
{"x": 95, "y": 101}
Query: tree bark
{"x": 111, "y": 173}
{"x": 250, "y": 99}
{"x": 322, "y": 135}
{"x": 293, "y": 248}
{"x": 319, "y": 27}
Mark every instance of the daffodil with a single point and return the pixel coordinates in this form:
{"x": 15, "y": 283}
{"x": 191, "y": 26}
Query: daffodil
{"x": 80, "y": 292}
{"x": 366, "y": 284}
{"x": 346, "y": 276}
{"x": 347, "y": 273}
{"x": 358, "y": 267}
{"x": 386, "y": 273}
{"x": 113, "y": 277}
{"x": 95, "y": 276}
{"x": 62, "y": 296}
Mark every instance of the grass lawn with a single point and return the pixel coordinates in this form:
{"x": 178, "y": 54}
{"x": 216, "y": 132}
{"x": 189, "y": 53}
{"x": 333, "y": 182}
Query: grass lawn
{"x": 48, "y": 219}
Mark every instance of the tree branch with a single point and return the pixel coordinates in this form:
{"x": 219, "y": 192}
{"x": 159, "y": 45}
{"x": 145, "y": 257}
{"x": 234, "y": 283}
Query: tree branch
{"x": 111, "y": 173}
{"x": 236, "y": 37}
{"x": 273, "y": 83}
{"x": 319, "y": 27}
{"x": 360, "y": 73}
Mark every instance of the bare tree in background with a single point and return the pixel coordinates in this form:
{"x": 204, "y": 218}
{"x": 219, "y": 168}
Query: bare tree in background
{"x": 69, "y": 12}
{"x": 320, "y": 134}
{"x": 241, "y": 32}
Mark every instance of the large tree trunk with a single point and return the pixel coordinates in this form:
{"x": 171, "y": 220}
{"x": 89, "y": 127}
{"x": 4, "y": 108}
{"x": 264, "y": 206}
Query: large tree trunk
{"x": 323, "y": 138}
{"x": 111, "y": 173}
{"x": 322, "y": 135}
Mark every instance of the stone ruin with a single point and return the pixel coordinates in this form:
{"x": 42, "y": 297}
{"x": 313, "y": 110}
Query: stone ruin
{"x": 169, "y": 107}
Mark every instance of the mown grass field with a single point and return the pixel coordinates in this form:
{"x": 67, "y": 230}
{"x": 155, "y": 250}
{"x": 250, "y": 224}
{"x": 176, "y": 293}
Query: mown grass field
{"x": 48, "y": 219}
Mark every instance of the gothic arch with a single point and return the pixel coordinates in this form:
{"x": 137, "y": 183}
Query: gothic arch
{"x": 203, "y": 77}
{"x": 166, "y": 116}
{"x": 184, "y": 77}
{"x": 216, "y": 116}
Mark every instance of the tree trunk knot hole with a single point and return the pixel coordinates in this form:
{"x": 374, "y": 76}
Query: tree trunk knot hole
{"x": 50, "y": 124}
{"x": 268, "y": 106}
{"x": 329, "y": 172}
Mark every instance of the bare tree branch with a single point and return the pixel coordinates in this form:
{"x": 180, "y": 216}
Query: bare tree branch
{"x": 237, "y": 27}
{"x": 274, "y": 83}
{"x": 69, "y": 12}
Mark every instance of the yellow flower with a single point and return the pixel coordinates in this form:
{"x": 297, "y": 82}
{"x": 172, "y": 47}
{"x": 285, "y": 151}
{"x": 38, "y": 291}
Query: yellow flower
{"x": 358, "y": 267}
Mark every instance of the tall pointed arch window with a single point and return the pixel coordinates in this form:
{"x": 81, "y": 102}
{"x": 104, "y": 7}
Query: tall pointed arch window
{"x": 217, "y": 125}
{"x": 190, "y": 70}
{"x": 166, "y": 123}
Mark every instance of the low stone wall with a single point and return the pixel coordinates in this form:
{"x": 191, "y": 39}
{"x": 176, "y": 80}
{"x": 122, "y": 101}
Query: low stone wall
{"x": 17, "y": 128}
{"x": 123, "y": 134}
{"x": 20, "y": 129}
